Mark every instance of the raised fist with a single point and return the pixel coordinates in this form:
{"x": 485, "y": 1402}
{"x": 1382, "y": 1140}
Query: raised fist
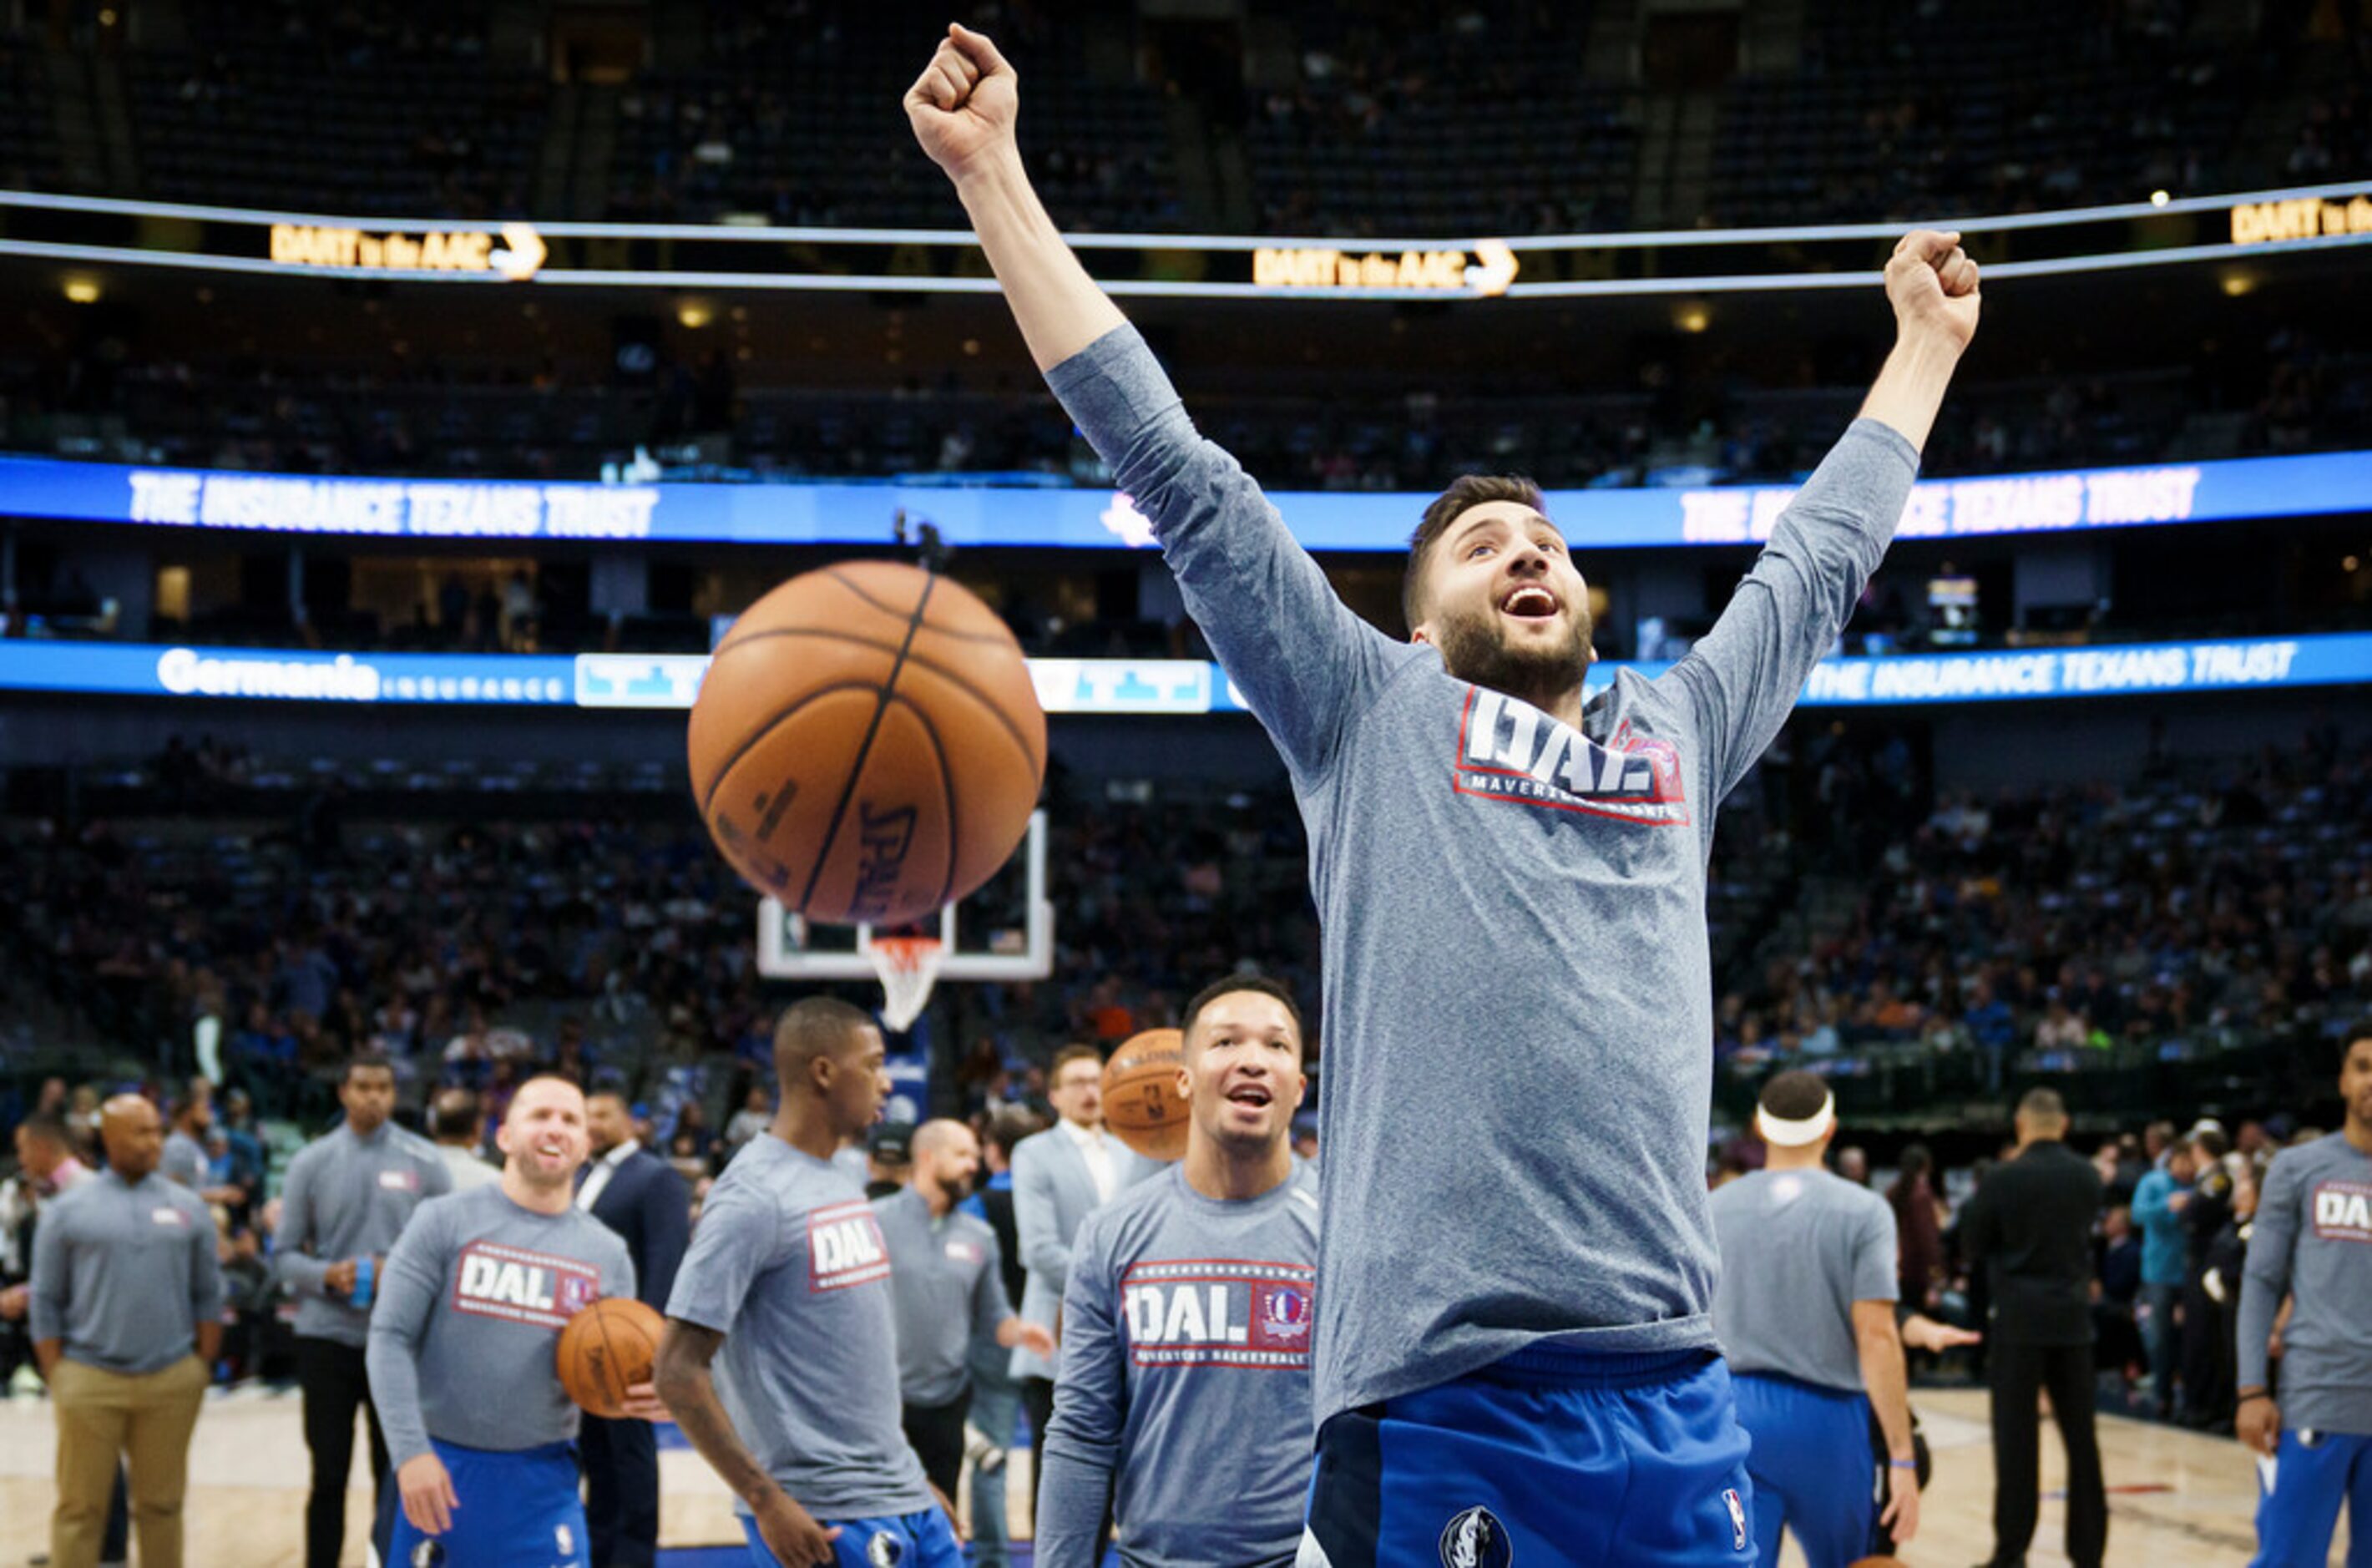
{"x": 1931, "y": 284}
{"x": 963, "y": 105}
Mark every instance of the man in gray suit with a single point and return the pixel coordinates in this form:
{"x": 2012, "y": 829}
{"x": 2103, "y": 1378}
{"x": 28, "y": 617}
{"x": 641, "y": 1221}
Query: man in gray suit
{"x": 1060, "y": 1176}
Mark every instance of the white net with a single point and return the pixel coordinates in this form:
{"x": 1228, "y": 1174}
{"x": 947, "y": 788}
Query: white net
{"x": 907, "y": 966}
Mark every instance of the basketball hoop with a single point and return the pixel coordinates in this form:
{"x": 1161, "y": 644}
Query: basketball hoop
{"x": 907, "y": 966}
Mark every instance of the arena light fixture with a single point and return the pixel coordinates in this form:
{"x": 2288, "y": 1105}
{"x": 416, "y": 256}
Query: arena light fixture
{"x": 2161, "y": 230}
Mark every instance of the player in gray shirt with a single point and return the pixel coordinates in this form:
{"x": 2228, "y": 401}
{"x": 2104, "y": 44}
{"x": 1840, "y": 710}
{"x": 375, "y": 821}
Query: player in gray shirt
{"x": 347, "y": 1197}
{"x": 780, "y": 1359}
{"x": 1511, "y": 887}
{"x": 1806, "y": 1314}
{"x": 462, "y": 1354}
{"x": 1187, "y": 1321}
{"x": 946, "y": 1282}
{"x": 2313, "y": 1242}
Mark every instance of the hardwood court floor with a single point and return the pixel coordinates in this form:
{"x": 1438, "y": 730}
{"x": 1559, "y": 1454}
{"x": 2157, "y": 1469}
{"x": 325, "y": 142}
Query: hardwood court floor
{"x": 2178, "y": 1500}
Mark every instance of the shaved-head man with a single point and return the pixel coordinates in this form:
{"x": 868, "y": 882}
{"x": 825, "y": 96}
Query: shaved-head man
{"x": 126, "y": 1317}
{"x": 780, "y": 1361}
{"x": 946, "y": 1277}
{"x": 462, "y": 1357}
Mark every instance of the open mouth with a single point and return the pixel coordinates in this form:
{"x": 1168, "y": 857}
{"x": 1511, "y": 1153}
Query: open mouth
{"x": 1251, "y": 1095}
{"x": 1529, "y": 602}
{"x": 552, "y": 1148}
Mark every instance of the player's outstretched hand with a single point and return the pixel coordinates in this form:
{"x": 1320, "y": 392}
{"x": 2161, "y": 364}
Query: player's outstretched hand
{"x": 1037, "y": 1339}
{"x": 2258, "y": 1428}
{"x": 1901, "y": 1516}
{"x": 964, "y": 104}
{"x": 792, "y": 1534}
{"x": 643, "y": 1403}
{"x": 427, "y": 1491}
{"x": 1923, "y": 1332}
{"x": 1931, "y": 284}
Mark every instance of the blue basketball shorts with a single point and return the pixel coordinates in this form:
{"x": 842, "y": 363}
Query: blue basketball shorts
{"x": 2299, "y": 1494}
{"x": 1549, "y": 1456}
{"x": 1811, "y": 1469}
{"x": 925, "y": 1540}
{"x": 517, "y": 1507}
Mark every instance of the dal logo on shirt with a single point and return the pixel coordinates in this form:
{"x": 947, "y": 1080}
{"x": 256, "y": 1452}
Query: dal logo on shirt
{"x": 520, "y": 1287}
{"x": 1508, "y": 750}
{"x": 844, "y": 1247}
{"x": 2342, "y": 1211}
{"x": 1219, "y": 1314}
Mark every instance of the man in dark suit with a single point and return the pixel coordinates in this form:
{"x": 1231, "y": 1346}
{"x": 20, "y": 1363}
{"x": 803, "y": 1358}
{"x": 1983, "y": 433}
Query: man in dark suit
{"x": 2031, "y": 1226}
{"x": 640, "y": 1196}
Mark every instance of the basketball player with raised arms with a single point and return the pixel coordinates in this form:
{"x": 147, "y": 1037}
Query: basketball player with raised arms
{"x": 2313, "y": 1243}
{"x": 1185, "y": 1394}
{"x": 462, "y": 1357}
{"x": 780, "y": 1358}
{"x": 1515, "y": 1348}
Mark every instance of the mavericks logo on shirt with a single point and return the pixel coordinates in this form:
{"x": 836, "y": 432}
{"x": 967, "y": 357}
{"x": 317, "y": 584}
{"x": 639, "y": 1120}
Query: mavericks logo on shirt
{"x": 1219, "y": 1312}
{"x": 2342, "y": 1211}
{"x": 844, "y": 1246}
{"x": 1508, "y": 750}
{"x": 519, "y": 1287}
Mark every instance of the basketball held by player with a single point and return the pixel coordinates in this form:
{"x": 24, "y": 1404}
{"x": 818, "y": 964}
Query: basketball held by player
{"x": 462, "y": 1350}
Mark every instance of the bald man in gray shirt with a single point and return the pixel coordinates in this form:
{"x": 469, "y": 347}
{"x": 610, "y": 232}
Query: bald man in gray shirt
{"x": 946, "y": 1282}
{"x": 127, "y": 1320}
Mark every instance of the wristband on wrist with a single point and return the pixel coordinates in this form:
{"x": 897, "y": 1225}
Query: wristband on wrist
{"x": 1903, "y": 1464}
{"x": 2257, "y": 1394}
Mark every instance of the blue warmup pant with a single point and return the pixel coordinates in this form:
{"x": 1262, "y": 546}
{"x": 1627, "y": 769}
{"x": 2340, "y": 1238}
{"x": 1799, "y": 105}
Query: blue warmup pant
{"x": 912, "y": 1540}
{"x": 1549, "y": 1455}
{"x": 2298, "y": 1504}
{"x": 517, "y": 1506}
{"x": 1811, "y": 1467}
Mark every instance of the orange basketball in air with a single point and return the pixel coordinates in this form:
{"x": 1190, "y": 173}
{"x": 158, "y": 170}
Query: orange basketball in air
{"x": 606, "y": 1348}
{"x": 1141, "y": 1105}
{"x": 867, "y": 746}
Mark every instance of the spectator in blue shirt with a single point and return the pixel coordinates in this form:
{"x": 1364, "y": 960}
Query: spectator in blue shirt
{"x": 1993, "y": 1027}
{"x": 2158, "y": 1203}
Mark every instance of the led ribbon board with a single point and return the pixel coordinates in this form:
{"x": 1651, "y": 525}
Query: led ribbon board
{"x": 670, "y": 681}
{"x": 2246, "y": 489}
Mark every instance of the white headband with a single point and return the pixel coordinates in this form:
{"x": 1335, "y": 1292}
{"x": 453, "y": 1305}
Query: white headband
{"x": 1796, "y": 1134}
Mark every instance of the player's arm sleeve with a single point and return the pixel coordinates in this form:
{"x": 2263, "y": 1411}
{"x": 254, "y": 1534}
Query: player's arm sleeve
{"x": 205, "y": 1269}
{"x": 1743, "y": 678}
{"x": 667, "y": 1230}
{"x": 989, "y": 1306}
{"x": 52, "y": 1280}
{"x": 407, "y": 1293}
{"x": 735, "y": 1239}
{"x": 1083, "y": 1439}
{"x": 293, "y": 1263}
{"x": 1043, "y": 1250}
{"x": 1304, "y": 661}
{"x": 1877, "y": 1274}
{"x": 2265, "y": 1278}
